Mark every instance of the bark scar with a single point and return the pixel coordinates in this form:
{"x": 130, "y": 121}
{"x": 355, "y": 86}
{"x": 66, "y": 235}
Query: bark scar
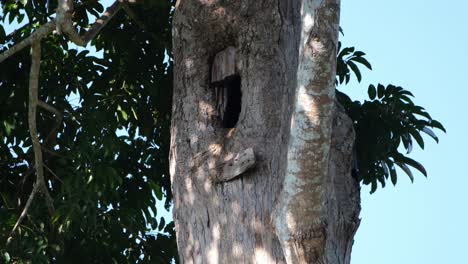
{"x": 224, "y": 170}
{"x": 233, "y": 168}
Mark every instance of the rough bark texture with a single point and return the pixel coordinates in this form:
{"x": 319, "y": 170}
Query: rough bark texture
{"x": 232, "y": 221}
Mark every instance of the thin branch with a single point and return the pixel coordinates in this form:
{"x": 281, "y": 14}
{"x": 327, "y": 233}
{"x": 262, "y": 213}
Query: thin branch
{"x": 64, "y": 16}
{"x": 47, "y": 142}
{"x": 24, "y": 212}
{"x": 32, "y": 112}
{"x": 53, "y": 153}
{"x": 32, "y": 109}
{"x": 53, "y": 174}
{"x": 37, "y": 35}
{"x": 65, "y": 23}
{"x": 49, "y": 200}
{"x": 102, "y": 21}
{"x": 49, "y": 108}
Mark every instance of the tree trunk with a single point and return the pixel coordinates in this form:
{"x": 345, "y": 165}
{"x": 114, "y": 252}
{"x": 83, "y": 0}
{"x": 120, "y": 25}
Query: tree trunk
{"x": 261, "y": 155}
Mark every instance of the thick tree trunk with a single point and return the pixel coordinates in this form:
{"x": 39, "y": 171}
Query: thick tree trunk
{"x": 272, "y": 184}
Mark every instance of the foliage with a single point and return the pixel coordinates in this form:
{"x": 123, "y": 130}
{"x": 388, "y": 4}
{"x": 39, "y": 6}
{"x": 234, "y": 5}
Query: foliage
{"x": 389, "y": 119}
{"x": 346, "y": 62}
{"x": 105, "y": 184}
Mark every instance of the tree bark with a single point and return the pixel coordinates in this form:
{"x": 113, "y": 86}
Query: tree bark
{"x": 277, "y": 187}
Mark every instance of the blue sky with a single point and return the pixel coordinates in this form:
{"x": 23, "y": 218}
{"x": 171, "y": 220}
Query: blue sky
{"x": 421, "y": 46}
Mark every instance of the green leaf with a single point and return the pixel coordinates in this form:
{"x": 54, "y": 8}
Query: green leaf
{"x": 371, "y": 92}
{"x": 373, "y": 186}
{"x": 122, "y": 112}
{"x": 381, "y": 179}
{"x": 414, "y": 164}
{"x": 162, "y": 224}
{"x": 355, "y": 69}
{"x": 384, "y": 166}
{"x": 437, "y": 124}
{"x": 403, "y": 159}
{"x": 158, "y": 193}
{"x": 363, "y": 61}
{"x": 2, "y": 34}
{"x": 134, "y": 114}
{"x": 6, "y": 257}
{"x": 407, "y": 142}
{"x": 417, "y": 137}
{"x": 393, "y": 175}
{"x": 407, "y": 99}
{"x": 346, "y": 51}
{"x": 359, "y": 53}
{"x": 8, "y": 127}
{"x": 341, "y": 77}
{"x": 24, "y": 2}
{"x": 20, "y": 18}
{"x": 380, "y": 90}
{"x": 406, "y": 92}
{"x": 420, "y": 111}
{"x": 431, "y": 133}
{"x": 406, "y": 170}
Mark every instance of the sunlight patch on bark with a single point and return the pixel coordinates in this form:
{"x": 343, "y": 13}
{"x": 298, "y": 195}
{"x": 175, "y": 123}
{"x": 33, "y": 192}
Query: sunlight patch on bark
{"x": 237, "y": 250}
{"x": 262, "y": 256}
{"x": 207, "y": 2}
{"x": 213, "y": 254}
{"x": 189, "y": 196}
{"x": 208, "y": 186}
{"x": 307, "y": 105}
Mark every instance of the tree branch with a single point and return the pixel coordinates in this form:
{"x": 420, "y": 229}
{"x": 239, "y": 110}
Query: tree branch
{"x": 32, "y": 110}
{"x": 102, "y": 21}
{"x": 37, "y": 35}
{"x": 39, "y": 184}
{"x": 53, "y": 174}
{"x": 50, "y": 139}
{"x": 64, "y": 19}
{"x": 24, "y": 212}
{"x": 64, "y": 23}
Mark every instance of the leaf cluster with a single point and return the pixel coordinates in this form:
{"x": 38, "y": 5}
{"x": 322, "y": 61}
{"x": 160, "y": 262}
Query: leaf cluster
{"x": 347, "y": 61}
{"x": 384, "y": 124}
{"x": 106, "y": 166}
